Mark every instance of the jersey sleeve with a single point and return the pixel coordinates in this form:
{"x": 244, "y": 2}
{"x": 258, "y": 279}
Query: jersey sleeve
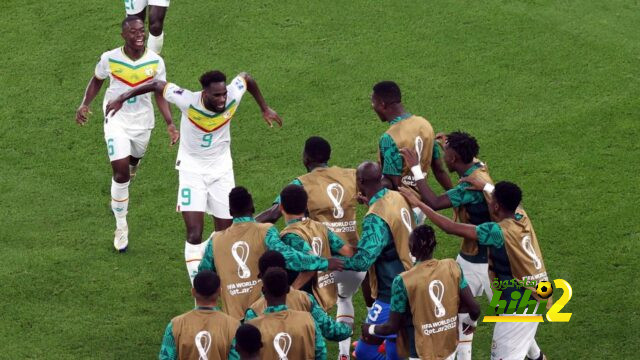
{"x": 249, "y": 315}
{"x": 375, "y": 236}
{"x": 237, "y": 88}
{"x": 463, "y": 281}
{"x": 161, "y": 73}
{"x": 399, "y": 297}
{"x": 335, "y": 242}
{"x": 436, "y": 151}
{"x": 459, "y": 195}
{"x": 233, "y": 353}
{"x": 296, "y": 242}
{"x": 168, "y": 350}
{"x": 390, "y": 156}
{"x": 207, "y": 258}
{"x": 490, "y": 234}
{"x": 295, "y": 260}
{"x": 293, "y": 182}
{"x": 176, "y": 95}
{"x": 102, "y": 67}
{"x": 332, "y": 330}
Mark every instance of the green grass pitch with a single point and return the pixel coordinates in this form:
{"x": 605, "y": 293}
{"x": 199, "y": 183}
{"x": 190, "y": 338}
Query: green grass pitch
{"x": 549, "y": 88}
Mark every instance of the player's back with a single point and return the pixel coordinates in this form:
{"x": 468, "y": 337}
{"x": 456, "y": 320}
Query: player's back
{"x": 208, "y": 326}
{"x": 286, "y": 334}
{"x": 414, "y": 132}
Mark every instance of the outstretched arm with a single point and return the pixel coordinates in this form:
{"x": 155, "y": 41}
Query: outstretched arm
{"x": 267, "y": 113}
{"x": 389, "y": 328}
{"x": 447, "y": 225}
{"x": 428, "y": 196}
{"x": 163, "y": 105}
{"x": 468, "y": 305}
{"x": 271, "y": 215}
{"x": 116, "y": 104}
{"x": 93, "y": 88}
{"x": 441, "y": 174}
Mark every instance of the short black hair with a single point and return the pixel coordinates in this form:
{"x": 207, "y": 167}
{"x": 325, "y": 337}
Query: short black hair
{"x": 465, "y": 145}
{"x": 294, "y": 199}
{"x": 129, "y": 19}
{"x": 206, "y": 283}
{"x": 248, "y": 339}
{"x": 388, "y": 91}
{"x": 317, "y": 149}
{"x": 240, "y": 202}
{"x": 211, "y": 77}
{"x": 508, "y": 195}
{"x": 275, "y": 281}
{"x": 424, "y": 241}
{"x": 271, "y": 258}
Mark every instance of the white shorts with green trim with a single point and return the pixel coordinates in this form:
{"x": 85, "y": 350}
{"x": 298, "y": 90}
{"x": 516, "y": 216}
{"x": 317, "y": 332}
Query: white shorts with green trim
{"x": 205, "y": 193}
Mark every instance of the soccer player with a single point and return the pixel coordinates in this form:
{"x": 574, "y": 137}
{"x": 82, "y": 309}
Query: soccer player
{"x": 127, "y": 133}
{"x": 286, "y": 334}
{"x": 157, "y": 12}
{"x": 297, "y": 300}
{"x": 383, "y": 250}
{"x": 332, "y": 199}
{"x": 514, "y": 254}
{"x": 248, "y": 342}
{"x": 234, "y": 254}
{"x": 460, "y": 152}
{"x": 204, "y": 161}
{"x": 310, "y": 236}
{"x": 432, "y": 293}
{"x": 405, "y": 130}
{"x": 203, "y": 333}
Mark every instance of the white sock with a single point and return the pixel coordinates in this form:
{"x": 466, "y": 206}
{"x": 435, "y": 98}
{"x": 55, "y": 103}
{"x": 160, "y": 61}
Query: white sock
{"x": 345, "y": 313}
{"x": 120, "y": 202}
{"x": 534, "y": 350}
{"x": 192, "y": 257}
{"x": 155, "y": 42}
{"x": 464, "y": 341}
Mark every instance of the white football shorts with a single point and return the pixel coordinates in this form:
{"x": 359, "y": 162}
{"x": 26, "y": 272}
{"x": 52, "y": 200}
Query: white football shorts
{"x": 205, "y": 193}
{"x": 133, "y": 7}
{"x": 477, "y": 276}
{"x": 122, "y": 142}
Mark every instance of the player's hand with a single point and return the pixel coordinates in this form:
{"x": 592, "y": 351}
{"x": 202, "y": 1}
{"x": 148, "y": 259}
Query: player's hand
{"x": 410, "y": 196}
{"x": 82, "y": 114}
{"x": 441, "y": 138}
{"x": 468, "y": 329}
{"x": 335, "y": 264}
{"x": 363, "y": 200}
{"x": 113, "y": 106}
{"x": 174, "y": 134}
{"x": 269, "y": 115}
{"x": 474, "y": 183}
{"x": 410, "y": 157}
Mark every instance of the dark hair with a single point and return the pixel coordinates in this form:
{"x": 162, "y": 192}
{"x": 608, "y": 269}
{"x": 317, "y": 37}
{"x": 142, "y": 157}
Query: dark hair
{"x": 206, "y": 283}
{"x": 388, "y": 91}
{"x": 508, "y": 195}
{"x": 212, "y": 77}
{"x": 248, "y": 339}
{"x": 317, "y": 149}
{"x": 294, "y": 199}
{"x": 424, "y": 241}
{"x": 275, "y": 281}
{"x": 129, "y": 19}
{"x": 464, "y": 145}
{"x": 271, "y": 258}
{"x": 240, "y": 201}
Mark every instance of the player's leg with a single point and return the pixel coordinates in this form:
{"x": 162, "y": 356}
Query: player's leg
{"x": 534, "y": 352}
{"x": 348, "y": 284}
{"x": 157, "y": 12}
{"x": 136, "y": 8}
{"x": 192, "y": 202}
{"x": 139, "y": 143}
{"x": 474, "y": 274}
{"x": 512, "y": 341}
{"x": 218, "y": 190}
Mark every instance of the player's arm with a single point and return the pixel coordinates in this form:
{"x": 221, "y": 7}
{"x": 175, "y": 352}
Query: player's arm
{"x": 468, "y": 305}
{"x": 428, "y": 196}
{"x": 296, "y": 260}
{"x": 332, "y": 330}
{"x": 447, "y": 225}
{"x": 273, "y": 214}
{"x": 233, "y": 353}
{"x": 391, "y": 162}
{"x": 163, "y": 105}
{"x": 375, "y": 233}
{"x": 168, "y": 350}
{"x": 338, "y": 246}
{"x": 116, "y": 104}
{"x": 441, "y": 175}
{"x": 93, "y": 88}
{"x": 267, "y": 113}
{"x": 399, "y": 306}
{"x": 320, "y": 345}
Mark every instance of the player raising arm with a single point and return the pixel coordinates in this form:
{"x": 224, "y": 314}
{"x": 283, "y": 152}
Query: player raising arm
{"x": 204, "y": 161}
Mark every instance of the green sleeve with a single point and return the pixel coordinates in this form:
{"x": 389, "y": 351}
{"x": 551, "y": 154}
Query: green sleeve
{"x": 390, "y": 156}
{"x": 233, "y": 354}
{"x": 249, "y": 315}
{"x": 207, "y": 258}
{"x": 332, "y": 330}
{"x": 399, "y": 297}
{"x": 375, "y": 236}
{"x": 459, "y": 195}
{"x": 293, "y": 182}
{"x": 296, "y": 260}
{"x": 168, "y": 350}
{"x": 463, "y": 280}
{"x": 321, "y": 347}
{"x": 436, "y": 151}
{"x": 490, "y": 234}
{"x": 296, "y": 242}
{"x": 335, "y": 242}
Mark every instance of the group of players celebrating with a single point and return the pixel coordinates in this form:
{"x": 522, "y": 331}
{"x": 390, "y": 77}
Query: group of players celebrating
{"x": 276, "y": 286}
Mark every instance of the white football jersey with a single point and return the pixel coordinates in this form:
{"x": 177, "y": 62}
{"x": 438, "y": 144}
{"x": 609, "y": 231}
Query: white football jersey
{"x": 205, "y": 136}
{"x": 125, "y": 74}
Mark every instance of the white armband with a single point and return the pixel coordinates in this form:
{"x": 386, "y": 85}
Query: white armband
{"x": 488, "y": 188}
{"x": 417, "y": 173}
{"x": 372, "y": 329}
